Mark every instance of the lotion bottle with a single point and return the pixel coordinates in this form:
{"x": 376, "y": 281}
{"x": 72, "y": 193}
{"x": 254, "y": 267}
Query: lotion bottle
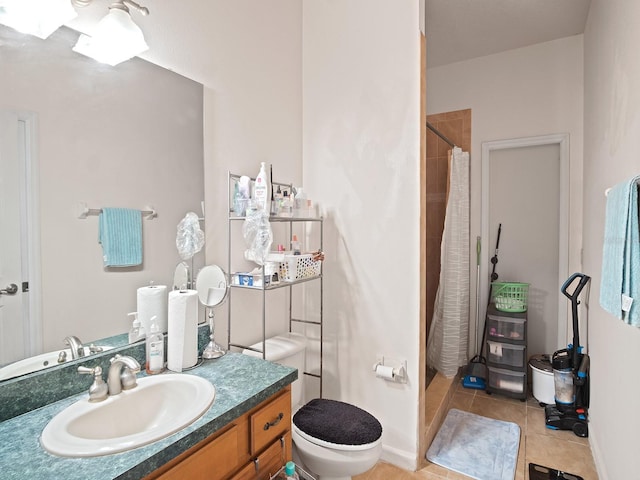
{"x": 137, "y": 330}
{"x": 261, "y": 190}
{"x": 155, "y": 348}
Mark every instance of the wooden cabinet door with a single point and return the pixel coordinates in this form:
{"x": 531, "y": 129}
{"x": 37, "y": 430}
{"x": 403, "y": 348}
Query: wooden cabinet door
{"x": 215, "y": 461}
{"x": 267, "y": 463}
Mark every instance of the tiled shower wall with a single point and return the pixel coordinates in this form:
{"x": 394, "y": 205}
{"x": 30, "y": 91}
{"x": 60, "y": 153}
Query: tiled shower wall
{"x": 456, "y": 126}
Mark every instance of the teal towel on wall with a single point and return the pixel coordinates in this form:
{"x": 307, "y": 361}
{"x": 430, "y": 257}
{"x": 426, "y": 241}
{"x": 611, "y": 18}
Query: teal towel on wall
{"x": 620, "y": 282}
{"x": 120, "y": 234}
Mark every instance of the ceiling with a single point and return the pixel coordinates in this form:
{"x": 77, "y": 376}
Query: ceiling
{"x": 180, "y": 34}
{"x": 459, "y": 30}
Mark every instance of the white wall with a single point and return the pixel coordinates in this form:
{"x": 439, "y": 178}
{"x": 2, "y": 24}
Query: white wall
{"x": 612, "y": 104}
{"x": 252, "y": 114}
{"x": 361, "y": 125}
{"x": 111, "y": 137}
{"x": 524, "y": 92}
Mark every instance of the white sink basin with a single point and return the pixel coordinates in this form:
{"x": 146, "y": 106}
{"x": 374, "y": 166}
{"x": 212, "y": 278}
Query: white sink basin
{"x": 38, "y": 362}
{"x": 156, "y": 408}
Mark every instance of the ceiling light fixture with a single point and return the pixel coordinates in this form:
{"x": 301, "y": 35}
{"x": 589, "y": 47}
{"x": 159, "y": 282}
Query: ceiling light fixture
{"x": 116, "y": 37}
{"x": 36, "y": 17}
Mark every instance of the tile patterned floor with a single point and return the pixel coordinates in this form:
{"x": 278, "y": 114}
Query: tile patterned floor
{"x": 561, "y": 450}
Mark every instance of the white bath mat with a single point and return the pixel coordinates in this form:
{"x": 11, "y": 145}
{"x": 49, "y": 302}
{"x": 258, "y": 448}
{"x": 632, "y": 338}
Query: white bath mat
{"x": 476, "y": 446}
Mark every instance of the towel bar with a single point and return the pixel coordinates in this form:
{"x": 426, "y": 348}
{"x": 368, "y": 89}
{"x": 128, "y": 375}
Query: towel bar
{"x": 83, "y": 211}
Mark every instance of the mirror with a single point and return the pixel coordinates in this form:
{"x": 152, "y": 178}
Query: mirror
{"x": 129, "y": 136}
{"x": 212, "y": 286}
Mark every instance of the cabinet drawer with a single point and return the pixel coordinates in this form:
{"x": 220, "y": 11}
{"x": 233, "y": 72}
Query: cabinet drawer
{"x": 270, "y": 422}
{"x": 215, "y": 461}
{"x": 267, "y": 463}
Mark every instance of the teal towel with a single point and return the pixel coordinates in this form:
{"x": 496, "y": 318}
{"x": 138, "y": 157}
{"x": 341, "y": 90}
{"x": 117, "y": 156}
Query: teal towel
{"x": 620, "y": 282}
{"x": 120, "y": 233}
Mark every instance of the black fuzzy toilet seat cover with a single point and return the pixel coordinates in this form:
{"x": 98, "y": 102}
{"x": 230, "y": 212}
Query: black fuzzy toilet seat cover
{"x": 337, "y": 422}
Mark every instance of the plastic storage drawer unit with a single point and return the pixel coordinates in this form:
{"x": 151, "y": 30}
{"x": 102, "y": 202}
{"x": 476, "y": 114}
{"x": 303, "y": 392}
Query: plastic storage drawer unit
{"x": 506, "y": 327}
{"x": 507, "y": 381}
{"x": 505, "y": 354}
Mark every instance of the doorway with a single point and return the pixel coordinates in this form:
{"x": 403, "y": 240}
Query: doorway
{"x": 525, "y": 188}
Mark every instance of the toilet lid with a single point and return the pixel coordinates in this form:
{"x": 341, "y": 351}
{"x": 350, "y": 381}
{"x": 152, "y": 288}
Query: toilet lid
{"x": 337, "y": 422}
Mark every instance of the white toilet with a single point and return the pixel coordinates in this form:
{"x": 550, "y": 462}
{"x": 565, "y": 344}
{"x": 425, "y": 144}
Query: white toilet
{"x": 332, "y": 440}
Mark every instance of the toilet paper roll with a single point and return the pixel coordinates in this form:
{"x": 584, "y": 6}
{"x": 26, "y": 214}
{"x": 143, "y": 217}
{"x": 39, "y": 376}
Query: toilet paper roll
{"x": 385, "y": 372}
{"x": 182, "y": 333}
{"x": 152, "y": 300}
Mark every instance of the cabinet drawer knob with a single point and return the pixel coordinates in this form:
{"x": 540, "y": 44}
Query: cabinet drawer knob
{"x": 268, "y": 425}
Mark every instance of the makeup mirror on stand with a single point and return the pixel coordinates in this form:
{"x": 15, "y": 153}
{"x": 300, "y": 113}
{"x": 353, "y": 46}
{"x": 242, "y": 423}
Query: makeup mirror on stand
{"x": 212, "y": 287}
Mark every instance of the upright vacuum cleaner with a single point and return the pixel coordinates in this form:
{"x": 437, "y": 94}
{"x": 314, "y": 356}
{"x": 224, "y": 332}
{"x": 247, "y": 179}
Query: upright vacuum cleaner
{"x": 571, "y": 374}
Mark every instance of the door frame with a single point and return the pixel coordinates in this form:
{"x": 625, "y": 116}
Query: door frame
{"x": 562, "y": 140}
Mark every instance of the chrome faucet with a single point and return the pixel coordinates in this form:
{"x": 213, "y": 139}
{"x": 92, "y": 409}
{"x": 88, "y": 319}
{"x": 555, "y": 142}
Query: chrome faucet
{"x": 77, "y": 349}
{"x": 122, "y": 374}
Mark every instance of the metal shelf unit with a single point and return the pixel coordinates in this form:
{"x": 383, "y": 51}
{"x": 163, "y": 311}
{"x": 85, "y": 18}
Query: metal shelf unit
{"x": 290, "y": 285}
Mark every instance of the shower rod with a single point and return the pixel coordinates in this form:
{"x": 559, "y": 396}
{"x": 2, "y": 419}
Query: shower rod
{"x": 446, "y": 140}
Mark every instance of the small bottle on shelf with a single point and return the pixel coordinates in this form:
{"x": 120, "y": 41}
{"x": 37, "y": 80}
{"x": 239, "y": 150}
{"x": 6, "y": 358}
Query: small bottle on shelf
{"x": 286, "y": 208}
{"x": 261, "y": 190}
{"x": 295, "y": 245}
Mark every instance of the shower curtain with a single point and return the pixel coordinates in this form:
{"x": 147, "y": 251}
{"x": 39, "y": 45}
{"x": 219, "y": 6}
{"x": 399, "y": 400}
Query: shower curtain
{"x": 448, "y": 335}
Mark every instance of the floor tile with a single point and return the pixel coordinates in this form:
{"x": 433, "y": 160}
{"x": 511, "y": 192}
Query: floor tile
{"x": 561, "y": 450}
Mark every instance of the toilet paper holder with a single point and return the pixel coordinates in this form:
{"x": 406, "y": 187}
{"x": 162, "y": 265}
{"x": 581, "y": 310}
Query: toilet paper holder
{"x": 391, "y": 369}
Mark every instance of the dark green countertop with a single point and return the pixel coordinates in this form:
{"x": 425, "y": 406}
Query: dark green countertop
{"x": 241, "y": 382}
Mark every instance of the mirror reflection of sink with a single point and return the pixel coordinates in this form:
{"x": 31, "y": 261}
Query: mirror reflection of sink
{"x": 158, "y": 407}
{"x": 38, "y": 362}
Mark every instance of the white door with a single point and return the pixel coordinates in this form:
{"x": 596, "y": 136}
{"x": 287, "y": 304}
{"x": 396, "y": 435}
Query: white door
{"x": 524, "y": 197}
{"x": 13, "y": 308}
{"x": 525, "y": 188}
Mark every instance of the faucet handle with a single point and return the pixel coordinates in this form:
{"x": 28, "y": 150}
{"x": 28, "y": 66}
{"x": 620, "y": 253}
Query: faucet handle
{"x": 98, "y": 390}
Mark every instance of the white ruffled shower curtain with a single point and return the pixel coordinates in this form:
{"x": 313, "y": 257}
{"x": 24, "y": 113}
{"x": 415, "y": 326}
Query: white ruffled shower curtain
{"x": 449, "y": 331}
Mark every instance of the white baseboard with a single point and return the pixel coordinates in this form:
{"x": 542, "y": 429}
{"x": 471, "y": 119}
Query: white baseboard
{"x": 399, "y": 458}
{"x": 597, "y": 455}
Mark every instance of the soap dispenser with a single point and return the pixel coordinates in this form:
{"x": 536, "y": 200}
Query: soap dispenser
{"x": 155, "y": 348}
{"x": 137, "y": 330}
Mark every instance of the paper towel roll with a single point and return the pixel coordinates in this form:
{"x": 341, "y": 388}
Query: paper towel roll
{"x": 152, "y": 300}
{"x": 383, "y": 371}
{"x": 182, "y": 333}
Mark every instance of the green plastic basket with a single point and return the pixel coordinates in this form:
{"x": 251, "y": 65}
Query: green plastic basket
{"x": 510, "y": 296}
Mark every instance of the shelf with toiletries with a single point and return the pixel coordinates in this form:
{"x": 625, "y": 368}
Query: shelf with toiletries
{"x": 290, "y": 216}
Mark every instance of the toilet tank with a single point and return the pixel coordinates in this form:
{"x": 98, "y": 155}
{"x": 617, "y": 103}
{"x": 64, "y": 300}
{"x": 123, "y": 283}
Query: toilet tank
{"x": 286, "y": 349}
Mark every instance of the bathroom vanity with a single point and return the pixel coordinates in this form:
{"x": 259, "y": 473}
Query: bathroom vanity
{"x": 253, "y": 446}
{"x": 246, "y": 433}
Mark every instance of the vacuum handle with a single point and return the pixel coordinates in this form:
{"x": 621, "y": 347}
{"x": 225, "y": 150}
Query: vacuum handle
{"x": 584, "y": 279}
